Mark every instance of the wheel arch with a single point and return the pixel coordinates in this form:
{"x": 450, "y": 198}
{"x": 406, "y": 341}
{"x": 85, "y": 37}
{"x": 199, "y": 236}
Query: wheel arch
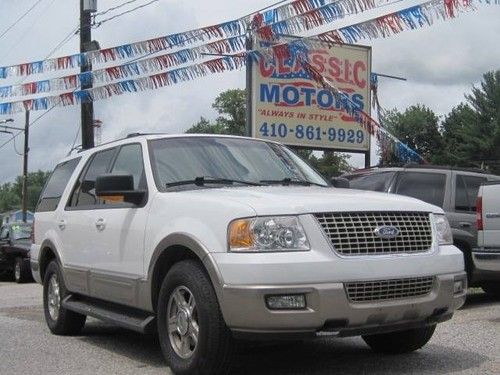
{"x": 173, "y": 249}
{"x": 48, "y": 253}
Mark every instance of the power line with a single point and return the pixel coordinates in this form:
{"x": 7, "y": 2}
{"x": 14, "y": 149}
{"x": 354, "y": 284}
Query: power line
{"x": 20, "y": 18}
{"x": 66, "y": 40}
{"x": 97, "y": 24}
{"x": 115, "y": 8}
{"x": 27, "y": 31}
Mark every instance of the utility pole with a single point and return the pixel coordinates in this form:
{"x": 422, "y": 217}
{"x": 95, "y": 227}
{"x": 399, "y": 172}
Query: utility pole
{"x": 87, "y": 7}
{"x": 25, "y": 165}
{"x": 249, "y": 78}
{"x": 7, "y": 129}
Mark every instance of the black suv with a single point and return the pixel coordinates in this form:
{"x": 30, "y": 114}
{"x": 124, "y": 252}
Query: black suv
{"x": 453, "y": 189}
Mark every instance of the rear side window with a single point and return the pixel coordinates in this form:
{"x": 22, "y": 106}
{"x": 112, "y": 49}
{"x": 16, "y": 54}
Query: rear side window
{"x": 466, "y": 193}
{"x": 84, "y": 191}
{"x": 54, "y": 188}
{"x": 429, "y": 187}
{"x": 372, "y": 181}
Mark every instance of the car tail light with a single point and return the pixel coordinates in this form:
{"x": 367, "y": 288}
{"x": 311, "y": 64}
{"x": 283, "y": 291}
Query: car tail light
{"x": 479, "y": 213}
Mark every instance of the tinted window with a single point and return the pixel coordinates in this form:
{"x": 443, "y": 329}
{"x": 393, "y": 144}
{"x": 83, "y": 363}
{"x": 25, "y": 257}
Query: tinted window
{"x": 372, "y": 181}
{"x": 84, "y": 192}
{"x": 466, "y": 193}
{"x": 54, "y": 188}
{"x": 129, "y": 161}
{"x": 429, "y": 187}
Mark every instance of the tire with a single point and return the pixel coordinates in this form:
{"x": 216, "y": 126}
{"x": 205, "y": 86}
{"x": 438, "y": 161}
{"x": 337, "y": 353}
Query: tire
{"x": 187, "y": 295}
{"x": 22, "y": 271}
{"x": 59, "y": 320}
{"x": 400, "y": 342}
{"x": 492, "y": 289}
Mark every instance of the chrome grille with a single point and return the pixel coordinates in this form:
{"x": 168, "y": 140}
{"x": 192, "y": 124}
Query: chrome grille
{"x": 353, "y": 233}
{"x": 383, "y": 290}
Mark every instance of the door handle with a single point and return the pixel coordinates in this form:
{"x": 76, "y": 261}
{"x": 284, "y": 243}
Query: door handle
{"x": 465, "y": 224}
{"x": 100, "y": 224}
{"x": 62, "y": 224}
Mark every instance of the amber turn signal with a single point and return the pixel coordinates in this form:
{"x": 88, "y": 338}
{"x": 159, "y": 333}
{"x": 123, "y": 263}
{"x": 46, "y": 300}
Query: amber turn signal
{"x": 240, "y": 234}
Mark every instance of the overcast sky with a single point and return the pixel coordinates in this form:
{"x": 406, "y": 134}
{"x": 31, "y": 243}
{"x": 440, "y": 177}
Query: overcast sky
{"x": 441, "y": 63}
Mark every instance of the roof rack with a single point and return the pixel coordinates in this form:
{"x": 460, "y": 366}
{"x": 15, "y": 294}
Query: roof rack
{"x": 447, "y": 167}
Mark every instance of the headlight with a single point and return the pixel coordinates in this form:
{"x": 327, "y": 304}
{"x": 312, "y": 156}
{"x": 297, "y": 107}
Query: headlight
{"x": 443, "y": 230}
{"x": 280, "y": 233}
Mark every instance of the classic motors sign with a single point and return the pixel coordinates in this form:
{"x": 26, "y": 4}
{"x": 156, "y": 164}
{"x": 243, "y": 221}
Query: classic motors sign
{"x": 289, "y": 107}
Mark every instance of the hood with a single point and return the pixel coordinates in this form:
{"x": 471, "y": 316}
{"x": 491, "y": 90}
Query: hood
{"x": 294, "y": 200}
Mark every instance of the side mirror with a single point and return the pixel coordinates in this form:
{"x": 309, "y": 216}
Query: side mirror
{"x": 118, "y": 188}
{"x": 340, "y": 182}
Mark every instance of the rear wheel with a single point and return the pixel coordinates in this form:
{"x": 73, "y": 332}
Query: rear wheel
{"x": 22, "y": 271}
{"x": 193, "y": 335}
{"x": 60, "y": 320}
{"x": 400, "y": 342}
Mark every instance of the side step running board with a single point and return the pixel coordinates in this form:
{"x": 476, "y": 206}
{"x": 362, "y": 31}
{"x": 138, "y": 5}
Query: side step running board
{"x": 121, "y": 316}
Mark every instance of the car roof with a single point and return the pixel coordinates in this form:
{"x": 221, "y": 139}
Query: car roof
{"x": 418, "y": 167}
{"x": 135, "y": 137}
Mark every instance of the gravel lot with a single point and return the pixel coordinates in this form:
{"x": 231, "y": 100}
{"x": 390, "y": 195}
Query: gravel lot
{"x": 468, "y": 344}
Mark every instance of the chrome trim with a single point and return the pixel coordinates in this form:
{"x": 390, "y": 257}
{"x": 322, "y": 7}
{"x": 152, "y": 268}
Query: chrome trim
{"x": 388, "y": 290}
{"x": 349, "y": 240}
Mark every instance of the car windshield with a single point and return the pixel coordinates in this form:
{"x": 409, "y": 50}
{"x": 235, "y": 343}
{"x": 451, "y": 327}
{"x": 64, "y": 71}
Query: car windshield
{"x": 20, "y": 231}
{"x": 243, "y": 161}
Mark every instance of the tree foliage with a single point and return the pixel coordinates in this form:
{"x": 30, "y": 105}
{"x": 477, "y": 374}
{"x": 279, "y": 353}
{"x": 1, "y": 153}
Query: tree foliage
{"x": 231, "y": 107}
{"x": 417, "y": 127}
{"x": 468, "y": 136}
{"x": 11, "y": 193}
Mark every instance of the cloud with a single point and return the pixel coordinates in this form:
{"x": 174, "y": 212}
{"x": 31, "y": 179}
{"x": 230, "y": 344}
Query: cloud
{"x": 440, "y": 62}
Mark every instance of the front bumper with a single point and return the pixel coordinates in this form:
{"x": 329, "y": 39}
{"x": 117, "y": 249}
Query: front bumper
{"x": 329, "y": 311}
{"x": 486, "y": 264}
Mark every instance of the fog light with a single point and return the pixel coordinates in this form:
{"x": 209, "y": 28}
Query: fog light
{"x": 459, "y": 286}
{"x": 286, "y": 302}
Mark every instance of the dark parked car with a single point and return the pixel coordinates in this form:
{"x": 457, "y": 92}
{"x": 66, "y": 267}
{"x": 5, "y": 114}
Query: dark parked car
{"x": 453, "y": 189}
{"x": 15, "y": 243}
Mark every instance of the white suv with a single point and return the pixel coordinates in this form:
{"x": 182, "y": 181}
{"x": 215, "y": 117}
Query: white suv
{"x": 210, "y": 238}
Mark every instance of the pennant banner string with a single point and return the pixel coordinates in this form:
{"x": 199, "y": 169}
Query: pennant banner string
{"x": 155, "y": 64}
{"x": 291, "y": 49}
{"x": 228, "y": 29}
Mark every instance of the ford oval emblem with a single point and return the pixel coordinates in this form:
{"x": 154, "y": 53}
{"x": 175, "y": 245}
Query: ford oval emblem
{"x": 387, "y": 232}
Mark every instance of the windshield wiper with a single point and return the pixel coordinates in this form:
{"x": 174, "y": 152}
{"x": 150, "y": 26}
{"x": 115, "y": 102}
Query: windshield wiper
{"x": 288, "y": 181}
{"x": 201, "y": 181}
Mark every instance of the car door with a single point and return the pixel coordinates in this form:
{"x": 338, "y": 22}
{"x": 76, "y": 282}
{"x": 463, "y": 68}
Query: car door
{"x": 118, "y": 235}
{"x": 76, "y": 223}
{"x": 462, "y": 215}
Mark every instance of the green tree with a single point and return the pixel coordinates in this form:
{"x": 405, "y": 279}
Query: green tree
{"x": 417, "y": 127}
{"x": 454, "y": 129}
{"x": 483, "y": 135}
{"x": 232, "y": 109}
{"x": 11, "y": 193}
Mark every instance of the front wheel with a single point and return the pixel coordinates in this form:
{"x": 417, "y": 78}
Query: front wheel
{"x": 61, "y": 321}
{"x": 400, "y": 342}
{"x": 193, "y": 335}
{"x": 22, "y": 271}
